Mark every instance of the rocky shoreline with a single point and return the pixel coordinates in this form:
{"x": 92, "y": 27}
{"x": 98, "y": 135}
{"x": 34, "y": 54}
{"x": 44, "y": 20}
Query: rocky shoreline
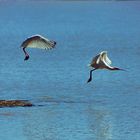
{"x": 15, "y": 103}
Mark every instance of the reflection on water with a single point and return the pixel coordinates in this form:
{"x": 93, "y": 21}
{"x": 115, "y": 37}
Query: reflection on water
{"x": 68, "y": 120}
{"x": 100, "y": 123}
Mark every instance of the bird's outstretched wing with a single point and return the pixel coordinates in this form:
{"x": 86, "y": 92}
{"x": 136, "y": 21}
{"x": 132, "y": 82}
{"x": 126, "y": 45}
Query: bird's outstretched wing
{"x": 106, "y": 61}
{"x": 105, "y": 58}
{"x": 38, "y": 41}
{"x": 94, "y": 61}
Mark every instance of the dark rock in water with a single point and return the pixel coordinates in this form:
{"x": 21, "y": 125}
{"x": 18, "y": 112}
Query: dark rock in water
{"x": 15, "y": 103}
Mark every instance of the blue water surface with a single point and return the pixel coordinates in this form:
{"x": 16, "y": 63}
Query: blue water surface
{"x": 67, "y": 108}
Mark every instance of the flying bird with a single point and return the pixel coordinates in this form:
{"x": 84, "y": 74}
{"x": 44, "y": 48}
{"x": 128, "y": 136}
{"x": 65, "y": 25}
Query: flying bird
{"x": 37, "y": 41}
{"x": 101, "y": 61}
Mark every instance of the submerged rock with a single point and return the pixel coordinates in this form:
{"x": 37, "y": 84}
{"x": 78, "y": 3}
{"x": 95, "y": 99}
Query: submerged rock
{"x": 15, "y": 103}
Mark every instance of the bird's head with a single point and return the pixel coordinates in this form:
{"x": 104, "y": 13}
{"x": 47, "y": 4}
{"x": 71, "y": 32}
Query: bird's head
{"x": 53, "y": 43}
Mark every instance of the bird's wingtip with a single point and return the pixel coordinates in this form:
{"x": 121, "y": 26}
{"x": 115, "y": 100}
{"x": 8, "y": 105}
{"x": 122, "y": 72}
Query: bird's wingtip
{"x": 104, "y": 52}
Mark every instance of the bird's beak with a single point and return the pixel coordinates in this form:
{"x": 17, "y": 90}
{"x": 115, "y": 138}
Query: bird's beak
{"x": 121, "y": 69}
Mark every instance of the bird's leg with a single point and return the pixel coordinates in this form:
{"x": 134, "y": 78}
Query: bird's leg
{"x": 90, "y": 78}
{"x": 26, "y": 54}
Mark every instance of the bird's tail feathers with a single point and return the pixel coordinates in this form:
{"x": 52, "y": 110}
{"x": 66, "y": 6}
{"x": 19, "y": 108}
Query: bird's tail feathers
{"x": 89, "y": 65}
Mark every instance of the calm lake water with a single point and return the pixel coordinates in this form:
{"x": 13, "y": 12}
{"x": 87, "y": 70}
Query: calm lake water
{"x": 108, "y": 108}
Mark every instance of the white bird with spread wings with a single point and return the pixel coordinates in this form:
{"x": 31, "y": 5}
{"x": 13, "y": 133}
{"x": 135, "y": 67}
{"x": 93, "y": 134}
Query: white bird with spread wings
{"x": 101, "y": 61}
{"x": 37, "y": 41}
